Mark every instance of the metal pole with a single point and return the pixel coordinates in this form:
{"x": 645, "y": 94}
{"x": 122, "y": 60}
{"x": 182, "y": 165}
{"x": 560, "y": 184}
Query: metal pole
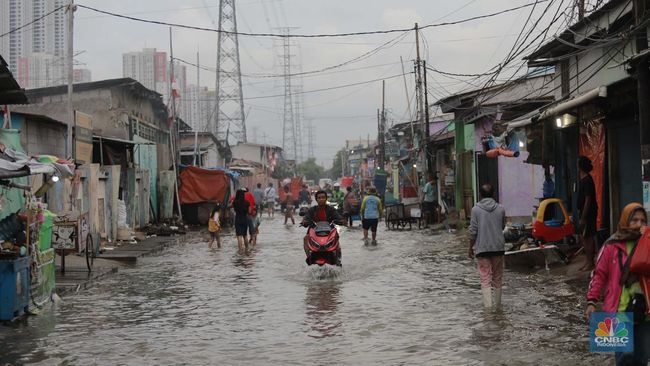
{"x": 420, "y": 93}
{"x": 173, "y": 132}
{"x": 427, "y": 159}
{"x": 408, "y": 100}
{"x": 69, "y": 65}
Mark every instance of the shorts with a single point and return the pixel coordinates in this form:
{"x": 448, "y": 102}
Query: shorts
{"x": 429, "y": 207}
{"x": 270, "y": 205}
{"x": 241, "y": 228}
{"x": 288, "y": 212}
{"x": 252, "y": 228}
{"x": 370, "y": 224}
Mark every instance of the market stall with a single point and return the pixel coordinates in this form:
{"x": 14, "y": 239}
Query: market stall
{"x": 26, "y": 255}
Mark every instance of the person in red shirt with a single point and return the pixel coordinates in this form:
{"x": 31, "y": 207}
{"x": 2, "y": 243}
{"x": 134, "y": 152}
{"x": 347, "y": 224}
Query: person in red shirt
{"x": 321, "y": 212}
{"x": 252, "y": 229}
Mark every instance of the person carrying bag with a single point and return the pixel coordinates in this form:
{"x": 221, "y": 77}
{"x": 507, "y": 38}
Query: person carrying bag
{"x": 620, "y": 279}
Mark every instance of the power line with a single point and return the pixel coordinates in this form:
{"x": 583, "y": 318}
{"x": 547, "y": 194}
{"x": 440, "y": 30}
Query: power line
{"x": 361, "y": 57}
{"x": 279, "y": 35}
{"x": 330, "y": 88}
{"x": 33, "y": 21}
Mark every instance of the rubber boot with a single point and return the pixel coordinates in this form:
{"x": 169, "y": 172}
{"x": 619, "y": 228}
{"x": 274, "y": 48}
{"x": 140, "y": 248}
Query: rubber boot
{"x": 497, "y": 298}
{"x": 487, "y": 297}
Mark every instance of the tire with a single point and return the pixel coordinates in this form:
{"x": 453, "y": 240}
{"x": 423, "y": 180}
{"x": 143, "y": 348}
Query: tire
{"x": 571, "y": 240}
{"x": 90, "y": 252}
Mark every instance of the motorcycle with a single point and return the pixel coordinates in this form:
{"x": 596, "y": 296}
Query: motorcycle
{"x": 303, "y": 208}
{"x": 322, "y": 245}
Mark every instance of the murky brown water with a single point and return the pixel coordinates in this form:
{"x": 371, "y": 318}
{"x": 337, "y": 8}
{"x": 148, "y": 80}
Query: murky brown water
{"x": 412, "y": 300}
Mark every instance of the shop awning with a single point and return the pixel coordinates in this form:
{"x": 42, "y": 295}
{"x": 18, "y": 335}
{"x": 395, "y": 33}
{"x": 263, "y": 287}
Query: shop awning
{"x": 121, "y": 141}
{"x": 565, "y": 106}
{"x": 523, "y": 121}
{"x": 559, "y": 108}
{"x": 15, "y": 164}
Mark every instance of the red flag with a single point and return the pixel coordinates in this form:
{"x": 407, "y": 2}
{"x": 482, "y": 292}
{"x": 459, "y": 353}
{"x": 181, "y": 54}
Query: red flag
{"x": 175, "y": 93}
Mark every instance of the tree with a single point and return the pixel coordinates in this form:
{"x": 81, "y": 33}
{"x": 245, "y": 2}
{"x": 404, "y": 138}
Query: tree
{"x": 335, "y": 172}
{"x": 310, "y": 169}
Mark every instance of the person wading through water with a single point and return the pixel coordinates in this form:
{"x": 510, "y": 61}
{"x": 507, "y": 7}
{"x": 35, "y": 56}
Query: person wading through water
{"x": 488, "y": 244}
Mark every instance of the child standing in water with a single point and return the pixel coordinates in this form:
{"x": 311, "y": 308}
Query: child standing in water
{"x": 255, "y": 227}
{"x": 214, "y": 227}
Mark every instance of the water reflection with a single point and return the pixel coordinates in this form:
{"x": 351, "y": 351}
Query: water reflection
{"x": 322, "y": 300}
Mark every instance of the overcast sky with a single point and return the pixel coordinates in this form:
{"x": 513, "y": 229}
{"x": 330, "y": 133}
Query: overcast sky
{"x": 338, "y": 114}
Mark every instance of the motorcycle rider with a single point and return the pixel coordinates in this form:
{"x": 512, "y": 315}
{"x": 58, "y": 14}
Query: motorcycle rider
{"x": 321, "y": 212}
{"x": 337, "y": 196}
{"x": 304, "y": 196}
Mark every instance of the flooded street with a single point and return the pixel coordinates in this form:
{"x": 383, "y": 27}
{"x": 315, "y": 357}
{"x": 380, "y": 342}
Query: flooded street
{"x": 414, "y": 299}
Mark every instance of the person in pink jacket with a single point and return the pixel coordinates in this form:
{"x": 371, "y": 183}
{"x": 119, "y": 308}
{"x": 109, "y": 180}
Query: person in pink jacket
{"x": 606, "y": 278}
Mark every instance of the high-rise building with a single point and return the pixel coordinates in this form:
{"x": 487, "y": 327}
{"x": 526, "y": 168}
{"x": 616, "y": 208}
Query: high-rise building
{"x": 39, "y": 48}
{"x": 148, "y": 67}
{"x": 151, "y": 69}
{"x": 197, "y": 107}
{"x": 40, "y": 70}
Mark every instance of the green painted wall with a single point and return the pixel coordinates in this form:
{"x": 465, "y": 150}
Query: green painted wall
{"x": 470, "y": 145}
{"x": 146, "y": 157}
{"x": 11, "y": 199}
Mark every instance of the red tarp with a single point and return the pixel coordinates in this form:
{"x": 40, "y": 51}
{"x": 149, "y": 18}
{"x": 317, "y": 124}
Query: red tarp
{"x": 592, "y": 145}
{"x": 203, "y": 185}
{"x": 294, "y": 187}
{"x": 346, "y": 182}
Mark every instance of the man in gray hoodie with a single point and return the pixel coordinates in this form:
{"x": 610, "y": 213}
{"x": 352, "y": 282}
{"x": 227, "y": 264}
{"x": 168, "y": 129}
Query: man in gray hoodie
{"x": 487, "y": 243}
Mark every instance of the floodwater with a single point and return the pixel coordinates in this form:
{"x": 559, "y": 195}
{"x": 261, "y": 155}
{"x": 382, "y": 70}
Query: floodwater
{"x": 412, "y": 300}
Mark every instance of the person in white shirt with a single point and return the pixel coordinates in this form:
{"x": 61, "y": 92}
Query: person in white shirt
{"x": 270, "y": 196}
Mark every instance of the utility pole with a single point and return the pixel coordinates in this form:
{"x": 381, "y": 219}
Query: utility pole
{"x": 196, "y": 123}
{"x": 70, "y": 68}
{"x": 643, "y": 88}
{"x": 381, "y": 119}
{"x": 427, "y": 160}
{"x": 406, "y": 89}
{"x": 173, "y": 132}
{"x": 420, "y": 94}
{"x": 581, "y": 8}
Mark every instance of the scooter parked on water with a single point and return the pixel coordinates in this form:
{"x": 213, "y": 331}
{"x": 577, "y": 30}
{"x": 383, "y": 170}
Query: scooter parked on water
{"x": 322, "y": 246}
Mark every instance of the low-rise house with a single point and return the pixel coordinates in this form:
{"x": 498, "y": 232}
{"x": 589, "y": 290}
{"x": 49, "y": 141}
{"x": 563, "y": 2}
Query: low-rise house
{"x": 480, "y": 118}
{"x": 203, "y": 149}
{"x": 266, "y": 155}
{"x": 130, "y": 130}
{"x": 597, "y": 109}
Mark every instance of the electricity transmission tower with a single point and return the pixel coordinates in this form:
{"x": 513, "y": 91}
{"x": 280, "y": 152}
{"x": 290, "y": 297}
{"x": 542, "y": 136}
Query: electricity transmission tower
{"x": 289, "y": 138}
{"x": 297, "y": 121}
{"x": 229, "y": 118}
{"x": 310, "y": 140}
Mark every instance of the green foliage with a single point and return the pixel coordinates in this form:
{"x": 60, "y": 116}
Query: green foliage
{"x": 310, "y": 170}
{"x": 335, "y": 172}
